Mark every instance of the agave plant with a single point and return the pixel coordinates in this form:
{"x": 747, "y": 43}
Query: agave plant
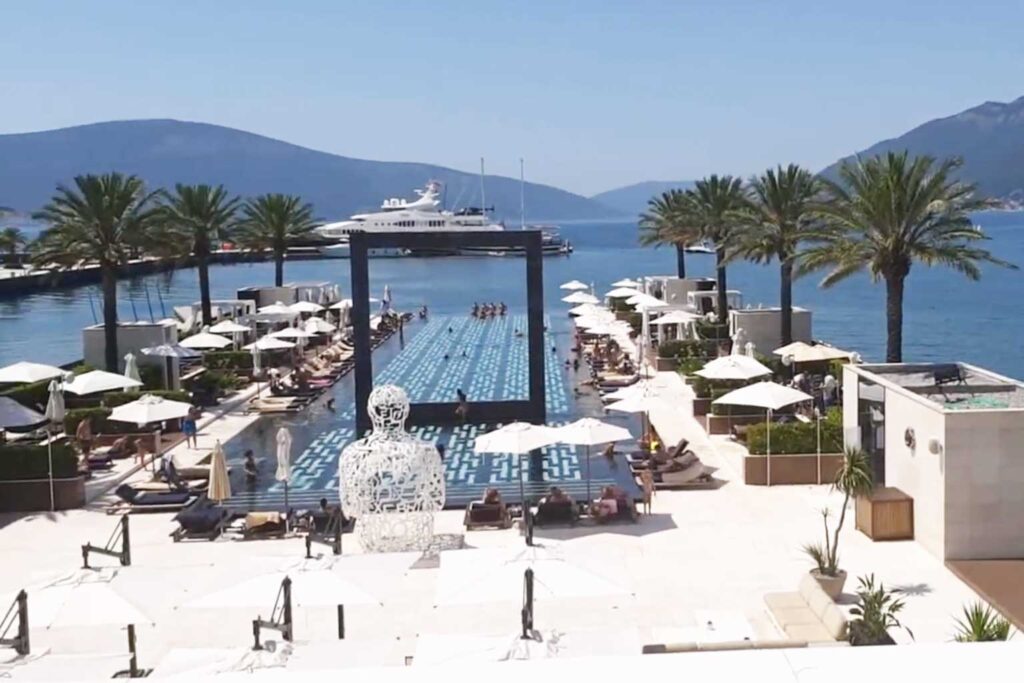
{"x": 875, "y": 613}
{"x": 853, "y": 479}
{"x": 981, "y": 624}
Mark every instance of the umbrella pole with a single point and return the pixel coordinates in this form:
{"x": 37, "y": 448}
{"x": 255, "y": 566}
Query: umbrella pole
{"x": 588, "y": 475}
{"x": 133, "y": 663}
{"x": 817, "y": 419}
{"x": 49, "y": 458}
{"x": 768, "y": 449}
{"x": 286, "y": 509}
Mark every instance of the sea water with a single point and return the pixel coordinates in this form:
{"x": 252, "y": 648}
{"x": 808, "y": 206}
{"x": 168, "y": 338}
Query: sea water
{"x": 946, "y": 318}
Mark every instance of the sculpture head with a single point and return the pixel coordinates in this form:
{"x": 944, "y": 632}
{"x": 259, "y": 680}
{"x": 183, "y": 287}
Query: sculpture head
{"x": 388, "y": 408}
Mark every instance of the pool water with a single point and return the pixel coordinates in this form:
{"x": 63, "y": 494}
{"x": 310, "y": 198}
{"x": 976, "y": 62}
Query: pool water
{"x": 487, "y": 360}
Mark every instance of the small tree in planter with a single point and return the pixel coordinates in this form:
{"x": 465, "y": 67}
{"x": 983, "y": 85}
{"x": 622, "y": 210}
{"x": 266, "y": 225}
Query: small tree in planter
{"x": 981, "y": 624}
{"x": 875, "y": 614}
{"x": 853, "y": 479}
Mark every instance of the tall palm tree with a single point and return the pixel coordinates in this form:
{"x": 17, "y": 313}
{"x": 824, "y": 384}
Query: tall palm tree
{"x": 667, "y": 221}
{"x": 889, "y": 211}
{"x": 11, "y": 239}
{"x": 780, "y": 218}
{"x": 716, "y": 206}
{"x": 99, "y": 220}
{"x": 271, "y": 221}
{"x": 197, "y": 216}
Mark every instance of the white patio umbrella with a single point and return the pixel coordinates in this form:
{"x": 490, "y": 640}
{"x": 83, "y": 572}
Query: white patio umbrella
{"x": 771, "y": 397}
{"x": 659, "y": 385}
{"x": 15, "y": 416}
{"x": 206, "y": 340}
{"x": 585, "y": 309}
{"x": 290, "y": 333}
{"x": 99, "y": 380}
{"x": 676, "y": 318}
{"x": 734, "y": 367}
{"x": 55, "y": 416}
{"x": 580, "y": 298}
{"x": 574, "y": 285}
{"x": 269, "y": 343}
{"x": 642, "y": 404}
{"x": 148, "y": 409}
{"x": 802, "y": 352}
{"x": 219, "y": 488}
{"x": 589, "y": 432}
{"x": 621, "y": 293}
{"x": 310, "y": 588}
{"x": 516, "y": 438}
{"x": 25, "y": 372}
{"x": 171, "y": 351}
{"x": 641, "y": 300}
{"x": 229, "y": 327}
{"x": 284, "y": 463}
{"x": 347, "y": 303}
{"x": 306, "y": 307}
{"x": 277, "y": 308}
{"x": 626, "y": 282}
{"x": 319, "y": 326}
{"x": 82, "y": 599}
{"x": 470, "y": 577}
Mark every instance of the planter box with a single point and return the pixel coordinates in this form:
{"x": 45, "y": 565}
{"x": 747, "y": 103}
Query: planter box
{"x": 886, "y": 515}
{"x": 666, "y": 364}
{"x": 799, "y": 468}
{"x": 33, "y": 495}
{"x": 701, "y": 406}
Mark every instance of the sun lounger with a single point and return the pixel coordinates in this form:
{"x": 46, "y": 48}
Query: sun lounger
{"x": 133, "y": 500}
{"x": 202, "y": 520}
{"x": 684, "y": 471}
{"x": 264, "y": 525}
{"x": 556, "y": 512}
{"x": 480, "y": 515}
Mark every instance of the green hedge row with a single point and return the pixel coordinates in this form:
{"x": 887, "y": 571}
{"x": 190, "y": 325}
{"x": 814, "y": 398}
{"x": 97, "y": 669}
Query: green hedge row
{"x": 30, "y": 462}
{"x": 799, "y": 437}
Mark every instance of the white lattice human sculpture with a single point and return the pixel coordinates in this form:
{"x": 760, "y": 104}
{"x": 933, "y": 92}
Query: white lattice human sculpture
{"x": 392, "y": 482}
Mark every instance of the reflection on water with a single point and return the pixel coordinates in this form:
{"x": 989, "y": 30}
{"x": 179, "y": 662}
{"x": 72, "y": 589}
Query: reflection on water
{"x": 946, "y": 317}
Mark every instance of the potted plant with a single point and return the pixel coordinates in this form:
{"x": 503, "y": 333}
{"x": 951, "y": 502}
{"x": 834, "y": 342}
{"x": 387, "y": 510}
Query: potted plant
{"x": 981, "y": 624}
{"x": 853, "y": 479}
{"x": 875, "y": 614}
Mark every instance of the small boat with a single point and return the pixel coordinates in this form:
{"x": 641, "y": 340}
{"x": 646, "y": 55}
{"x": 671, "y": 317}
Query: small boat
{"x": 702, "y": 248}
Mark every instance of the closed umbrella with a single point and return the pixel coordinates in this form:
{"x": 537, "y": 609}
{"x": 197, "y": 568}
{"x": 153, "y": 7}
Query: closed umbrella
{"x": 256, "y": 368}
{"x": 574, "y": 285}
{"x": 99, "y": 380}
{"x": 589, "y": 432}
{"x": 55, "y": 415}
{"x": 517, "y": 438}
{"x": 580, "y": 298}
{"x": 131, "y": 369}
{"x": 25, "y": 372}
{"x": 219, "y": 488}
{"x": 284, "y": 463}
{"x": 771, "y": 397}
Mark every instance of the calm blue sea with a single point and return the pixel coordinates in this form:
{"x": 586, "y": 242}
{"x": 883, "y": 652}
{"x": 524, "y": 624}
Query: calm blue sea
{"x": 947, "y": 317}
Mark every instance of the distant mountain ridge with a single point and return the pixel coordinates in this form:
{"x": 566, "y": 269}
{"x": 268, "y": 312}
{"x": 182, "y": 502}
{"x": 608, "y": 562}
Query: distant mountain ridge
{"x": 166, "y": 151}
{"x": 631, "y": 200}
{"x": 989, "y": 138}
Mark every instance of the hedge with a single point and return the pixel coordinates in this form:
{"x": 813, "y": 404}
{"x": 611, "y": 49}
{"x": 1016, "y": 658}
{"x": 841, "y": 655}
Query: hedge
{"x": 799, "y": 437}
{"x": 228, "y": 360}
{"x": 31, "y": 462}
{"x": 99, "y": 418}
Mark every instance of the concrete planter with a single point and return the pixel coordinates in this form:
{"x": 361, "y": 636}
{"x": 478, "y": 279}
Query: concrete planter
{"x": 832, "y": 585}
{"x": 797, "y": 468}
{"x": 666, "y": 364}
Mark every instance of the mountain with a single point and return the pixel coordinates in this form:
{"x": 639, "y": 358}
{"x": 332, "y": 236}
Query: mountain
{"x": 989, "y": 137}
{"x": 631, "y": 200}
{"x": 164, "y": 152}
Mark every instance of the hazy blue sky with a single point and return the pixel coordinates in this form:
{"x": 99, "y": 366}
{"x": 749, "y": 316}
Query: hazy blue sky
{"x": 593, "y": 94}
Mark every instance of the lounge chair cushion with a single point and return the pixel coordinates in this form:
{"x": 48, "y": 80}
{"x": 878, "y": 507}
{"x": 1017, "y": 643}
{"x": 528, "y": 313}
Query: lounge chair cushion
{"x": 794, "y": 616}
{"x": 486, "y": 513}
{"x": 686, "y": 459}
{"x": 200, "y": 519}
{"x": 142, "y": 498}
{"x": 834, "y": 622}
{"x": 777, "y": 601}
{"x": 810, "y": 633}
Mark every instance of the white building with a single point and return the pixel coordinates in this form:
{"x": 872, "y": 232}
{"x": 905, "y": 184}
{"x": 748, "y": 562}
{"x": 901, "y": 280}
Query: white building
{"x": 950, "y": 436}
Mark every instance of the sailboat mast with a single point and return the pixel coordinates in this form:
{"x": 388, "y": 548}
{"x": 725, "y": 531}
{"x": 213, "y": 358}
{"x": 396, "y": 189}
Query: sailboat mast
{"x": 483, "y": 197}
{"x": 522, "y": 196}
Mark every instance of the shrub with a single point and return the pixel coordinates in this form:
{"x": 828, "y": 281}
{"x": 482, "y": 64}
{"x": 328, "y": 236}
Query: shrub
{"x": 981, "y": 624}
{"x": 875, "y": 613}
{"x": 152, "y": 376}
{"x": 215, "y": 383}
{"x": 798, "y": 437}
{"x": 635, "y": 321}
{"x": 228, "y": 360}
{"x": 709, "y": 330}
{"x": 73, "y": 417}
{"x": 688, "y": 366}
{"x": 31, "y": 462}
{"x": 619, "y": 306}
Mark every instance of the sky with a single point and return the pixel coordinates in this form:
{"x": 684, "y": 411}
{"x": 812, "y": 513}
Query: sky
{"x": 592, "y": 94}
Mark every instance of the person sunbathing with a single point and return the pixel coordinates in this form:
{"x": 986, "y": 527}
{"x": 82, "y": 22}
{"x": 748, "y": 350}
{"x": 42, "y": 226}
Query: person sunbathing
{"x": 607, "y": 505}
{"x": 492, "y": 496}
{"x": 557, "y": 496}
{"x": 609, "y": 450}
{"x": 124, "y": 447}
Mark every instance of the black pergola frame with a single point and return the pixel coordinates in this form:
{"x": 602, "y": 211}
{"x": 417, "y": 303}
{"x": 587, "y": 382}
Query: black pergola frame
{"x": 530, "y": 410}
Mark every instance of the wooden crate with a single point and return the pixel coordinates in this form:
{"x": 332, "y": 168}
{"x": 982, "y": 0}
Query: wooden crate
{"x": 886, "y": 515}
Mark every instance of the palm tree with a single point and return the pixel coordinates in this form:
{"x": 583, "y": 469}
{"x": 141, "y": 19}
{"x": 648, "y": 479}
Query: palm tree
{"x": 197, "y": 216}
{"x": 99, "y": 220}
{"x": 779, "y": 219}
{"x": 271, "y": 221}
{"x": 854, "y": 480}
{"x": 667, "y": 221}
{"x": 716, "y": 203}
{"x": 889, "y": 211}
{"x": 11, "y": 239}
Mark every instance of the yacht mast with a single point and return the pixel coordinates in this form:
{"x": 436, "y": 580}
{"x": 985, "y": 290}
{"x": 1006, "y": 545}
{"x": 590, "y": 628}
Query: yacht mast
{"x": 483, "y": 198}
{"x": 522, "y": 196}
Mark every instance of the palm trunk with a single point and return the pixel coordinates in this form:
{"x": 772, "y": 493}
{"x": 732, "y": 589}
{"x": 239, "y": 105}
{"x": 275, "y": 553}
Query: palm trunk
{"x": 786, "y": 301}
{"x": 894, "y": 318}
{"x": 723, "y": 297}
{"x": 680, "y": 261}
{"x": 833, "y": 558}
{"x": 278, "y": 267}
{"x": 203, "y": 264}
{"x": 109, "y": 283}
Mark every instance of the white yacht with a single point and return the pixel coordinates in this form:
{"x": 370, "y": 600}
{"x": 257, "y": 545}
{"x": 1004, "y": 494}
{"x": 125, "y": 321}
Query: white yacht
{"x": 399, "y": 215}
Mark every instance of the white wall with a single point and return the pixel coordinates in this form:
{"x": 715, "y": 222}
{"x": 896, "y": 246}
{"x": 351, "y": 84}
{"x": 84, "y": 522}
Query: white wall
{"x": 984, "y": 489}
{"x": 915, "y": 471}
{"x": 763, "y": 326}
{"x": 131, "y": 338}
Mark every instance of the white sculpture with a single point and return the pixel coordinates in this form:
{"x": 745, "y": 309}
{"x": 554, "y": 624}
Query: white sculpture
{"x": 391, "y": 482}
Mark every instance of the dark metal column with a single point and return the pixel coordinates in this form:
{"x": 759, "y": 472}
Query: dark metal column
{"x": 360, "y": 270}
{"x": 535, "y": 317}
